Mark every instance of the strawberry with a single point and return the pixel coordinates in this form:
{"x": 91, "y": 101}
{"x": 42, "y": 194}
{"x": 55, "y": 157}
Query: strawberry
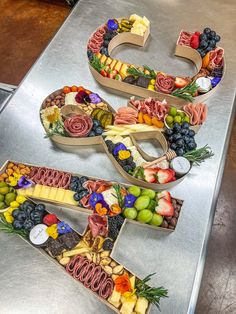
{"x": 164, "y": 208}
{"x": 103, "y": 73}
{"x": 194, "y": 41}
{"x": 150, "y": 175}
{"x": 180, "y": 82}
{"x": 165, "y": 175}
{"x": 112, "y": 73}
{"x": 164, "y": 194}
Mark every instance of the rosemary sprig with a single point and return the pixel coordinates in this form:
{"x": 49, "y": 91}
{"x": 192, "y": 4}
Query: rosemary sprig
{"x": 152, "y": 294}
{"x": 119, "y": 195}
{"x": 199, "y": 155}
{"x": 138, "y": 172}
{"x": 152, "y": 72}
{"x": 136, "y": 72}
{"x": 97, "y": 64}
{"x": 186, "y": 92}
{"x": 8, "y": 228}
{"x": 57, "y": 129}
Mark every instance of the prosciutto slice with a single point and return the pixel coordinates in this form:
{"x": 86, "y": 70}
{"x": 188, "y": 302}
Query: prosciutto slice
{"x": 98, "y": 225}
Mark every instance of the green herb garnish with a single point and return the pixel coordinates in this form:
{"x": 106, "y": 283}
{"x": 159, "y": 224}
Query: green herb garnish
{"x": 56, "y": 129}
{"x": 153, "y": 295}
{"x": 199, "y": 155}
{"x": 186, "y": 92}
{"x": 97, "y": 64}
{"x": 8, "y": 228}
{"x": 119, "y": 195}
{"x": 138, "y": 172}
{"x": 136, "y": 72}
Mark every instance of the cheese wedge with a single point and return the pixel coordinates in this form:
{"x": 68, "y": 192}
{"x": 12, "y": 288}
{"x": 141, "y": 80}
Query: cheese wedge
{"x": 113, "y": 63}
{"x": 103, "y": 59}
{"x": 141, "y": 305}
{"x": 70, "y": 98}
{"x": 52, "y": 194}
{"x": 135, "y": 17}
{"x": 145, "y": 21}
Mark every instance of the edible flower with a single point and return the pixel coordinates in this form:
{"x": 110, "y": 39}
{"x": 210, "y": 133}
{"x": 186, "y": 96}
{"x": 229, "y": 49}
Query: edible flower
{"x": 115, "y": 209}
{"x": 216, "y": 80}
{"x": 52, "y": 231}
{"x": 100, "y": 209}
{"x": 95, "y": 198}
{"x": 123, "y": 284}
{"x": 124, "y": 154}
{"x": 51, "y": 114}
{"x": 50, "y": 219}
{"x": 8, "y": 217}
{"x": 118, "y": 148}
{"x": 112, "y": 24}
{"x": 23, "y": 183}
{"x": 80, "y": 96}
{"x": 63, "y": 227}
{"x": 95, "y": 98}
{"x": 130, "y": 296}
{"x": 129, "y": 200}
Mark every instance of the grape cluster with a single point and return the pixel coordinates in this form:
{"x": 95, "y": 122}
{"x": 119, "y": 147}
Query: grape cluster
{"x": 208, "y": 40}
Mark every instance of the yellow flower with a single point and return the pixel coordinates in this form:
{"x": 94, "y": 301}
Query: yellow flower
{"x": 130, "y": 296}
{"x": 12, "y": 181}
{"x": 11, "y": 209}
{"x": 52, "y": 231}
{"x": 21, "y": 199}
{"x": 124, "y": 154}
{"x": 14, "y": 204}
{"x": 51, "y": 114}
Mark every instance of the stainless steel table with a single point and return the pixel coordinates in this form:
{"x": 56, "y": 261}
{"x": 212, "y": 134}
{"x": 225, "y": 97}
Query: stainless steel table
{"x": 31, "y": 284}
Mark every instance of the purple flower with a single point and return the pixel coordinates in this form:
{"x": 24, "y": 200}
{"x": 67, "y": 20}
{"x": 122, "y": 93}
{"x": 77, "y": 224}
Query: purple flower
{"x": 63, "y": 227}
{"x": 80, "y": 96}
{"x": 95, "y": 198}
{"x": 118, "y": 148}
{"x": 95, "y": 98}
{"x": 129, "y": 200}
{"x": 112, "y": 25}
{"x": 24, "y": 183}
{"x": 216, "y": 80}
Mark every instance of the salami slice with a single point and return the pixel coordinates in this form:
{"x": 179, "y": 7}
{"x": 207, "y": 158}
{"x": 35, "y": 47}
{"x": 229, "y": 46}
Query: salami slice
{"x": 70, "y": 266}
{"x": 164, "y": 83}
{"x": 78, "y": 126}
{"x": 106, "y": 288}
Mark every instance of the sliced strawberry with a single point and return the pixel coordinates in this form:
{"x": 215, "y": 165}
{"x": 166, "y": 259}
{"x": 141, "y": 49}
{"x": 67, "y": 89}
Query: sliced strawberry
{"x": 164, "y": 208}
{"x": 194, "y": 41}
{"x": 150, "y": 175}
{"x": 164, "y": 194}
{"x": 103, "y": 73}
{"x": 165, "y": 175}
{"x": 180, "y": 82}
{"x": 110, "y": 75}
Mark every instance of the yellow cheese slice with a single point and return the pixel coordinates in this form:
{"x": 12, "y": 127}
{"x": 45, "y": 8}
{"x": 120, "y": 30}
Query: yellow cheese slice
{"x": 103, "y": 58}
{"x": 60, "y": 194}
{"x": 37, "y": 190}
{"x": 113, "y": 63}
{"x": 109, "y": 61}
{"x": 52, "y": 194}
{"x": 68, "y": 198}
{"x": 45, "y": 190}
{"x": 118, "y": 66}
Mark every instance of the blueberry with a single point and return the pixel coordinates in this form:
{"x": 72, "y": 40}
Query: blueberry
{"x": 191, "y": 133}
{"x": 132, "y": 165}
{"x": 202, "y": 53}
{"x": 27, "y": 204}
{"x": 74, "y": 186}
{"x": 168, "y": 132}
{"x": 90, "y": 55}
{"x": 104, "y": 51}
{"x": 185, "y": 125}
{"x": 80, "y": 188}
{"x": 173, "y": 146}
{"x": 96, "y": 123}
{"x": 217, "y": 38}
{"x": 83, "y": 193}
{"x": 106, "y": 43}
{"x": 184, "y": 131}
{"x": 176, "y": 127}
{"x": 177, "y": 136}
{"x": 76, "y": 197}
{"x": 171, "y": 139}
{"x": 99, "y": 130}
{"x": 207, "y": 30}
{"x": 208, "y": 49}
{"x": 180, "y": 152}
{"x": 203, "y": 44}
{"x": 21, "y": 216}
{"x": 40, "y": 207}
{"x": 213, "y": 34}
{"x": 186, "y": 139}
{"x": 122, "y": 163}
{"x": 36, "y": 214}
{"x": 74, "y": 179}
{"x": 212, "y": 43}
{"x": 17, "y": 224}
{"x": 15, "y": 213}
{"x": 127, "y": 168}
{"x": 28, "y": 224}
{"x": 91, "y": 134}
{"x": 129, "y": 160}
{"x": 180, "y": 143}
{"x": 192, "y": 145}
{"x": 83, "y": 179}
{"x": 203, "y": 37}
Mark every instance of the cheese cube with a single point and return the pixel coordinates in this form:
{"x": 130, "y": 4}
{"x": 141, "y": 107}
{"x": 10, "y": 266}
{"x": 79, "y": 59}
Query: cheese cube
{"x": 45, "y": 190}
{"x": 123, "y": 71}
{"x": 68, "y": 198}
{"x": 145, "y": 21}
{"x": 113, "y": 63}
{"x": 135, "y": 17}
{"x": 118, "y": 66}
{"x": 109, "y": 61}
{"x": 60, "y": 194}
{"x": 103, "y": 58}
{"x": 37, "y": 190}
{"x": 52, "y": 194}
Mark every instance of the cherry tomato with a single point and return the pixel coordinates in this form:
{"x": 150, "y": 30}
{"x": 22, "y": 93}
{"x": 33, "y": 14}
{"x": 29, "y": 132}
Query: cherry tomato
{"x": 74, "y": 88}
{"x": 66, "y": 89}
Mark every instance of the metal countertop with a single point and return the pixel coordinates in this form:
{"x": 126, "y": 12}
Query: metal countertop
{"x": 32, "y": 284}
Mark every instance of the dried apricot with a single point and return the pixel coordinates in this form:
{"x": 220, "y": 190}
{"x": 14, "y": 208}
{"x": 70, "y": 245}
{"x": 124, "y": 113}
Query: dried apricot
{"x": 9, "y": 171}
{"x": 140, "y": 117}
{"x": 157, "y": 123}
{"x": 10, "y": 165}
{"x": 147, "y": 119}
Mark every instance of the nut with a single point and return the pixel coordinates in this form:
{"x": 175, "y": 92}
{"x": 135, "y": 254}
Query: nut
{"x": 98, "y": 259}
{"x": 94, "y": 258}
{"x": 105, "y": 261}
{"x": 89, "y": 256}
{"x": 113, "y": 264}
{"x": 118, "y": 270}
{"x": 108, "y": 270}
{"x": 64, "y": 261}
{"x": 114, "y": 277}
{"x": 105, "y": 254}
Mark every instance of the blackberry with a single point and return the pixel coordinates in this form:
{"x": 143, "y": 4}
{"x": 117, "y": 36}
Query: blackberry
{"x": 133, "y": 165}
{"x": 107, "y": 245}
{"x": 113, "y": 228}
{"x": 110, "y": 146}
{"x": 129, "y": 160}
{"x": 127, "y": 168}
{"x": 119, "y": 220}
{"x": 122, "y": 163}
